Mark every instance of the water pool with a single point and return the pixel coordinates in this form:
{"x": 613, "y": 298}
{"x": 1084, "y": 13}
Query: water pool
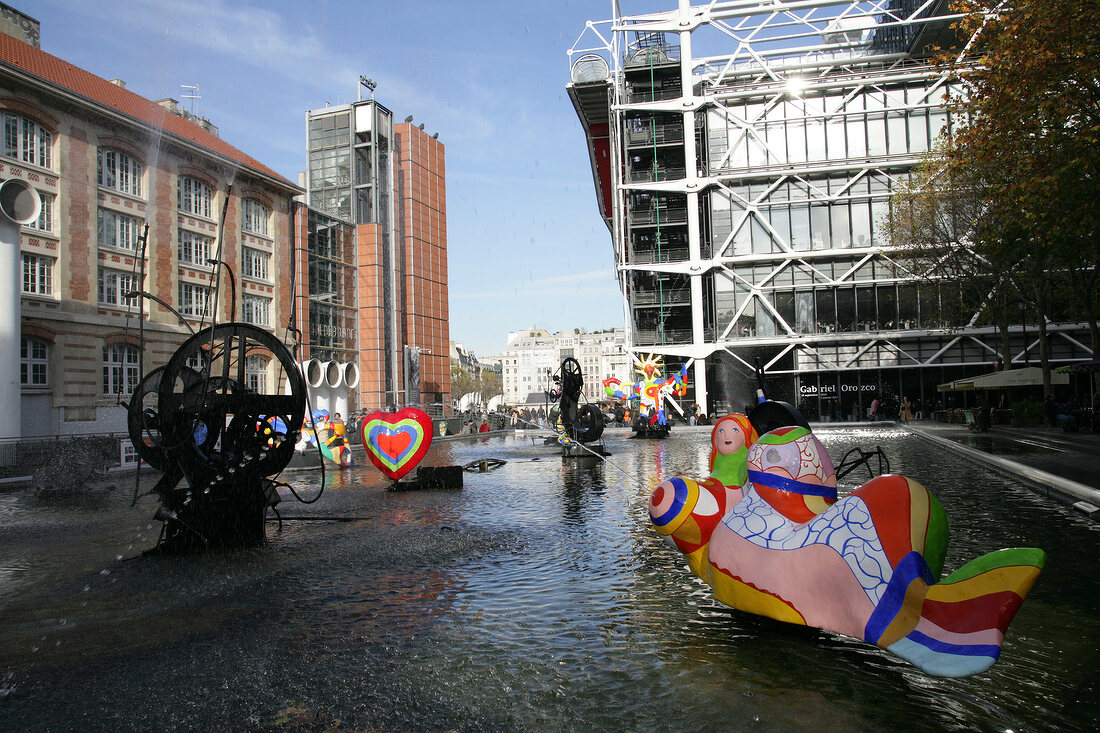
{"x": 538, "y": 598}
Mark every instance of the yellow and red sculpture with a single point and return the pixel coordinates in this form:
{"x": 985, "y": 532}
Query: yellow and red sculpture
{"x": 651, "y": 390}
{"x": 768, "y": 534}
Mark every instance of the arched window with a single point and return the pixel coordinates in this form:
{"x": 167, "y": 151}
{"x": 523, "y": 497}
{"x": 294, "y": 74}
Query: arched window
{"x": 26, "y": 140}
{"x": 120, "y": 369}
{"x": 33, "y": 362}
{"x": 254, "y": 217}
{"x": 119, "y": 171}
{"x": 255, "y": 373}
{"x": 195, "y": 197}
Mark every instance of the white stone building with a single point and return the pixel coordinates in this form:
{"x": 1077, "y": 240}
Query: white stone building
{"x": 532, "y": 356}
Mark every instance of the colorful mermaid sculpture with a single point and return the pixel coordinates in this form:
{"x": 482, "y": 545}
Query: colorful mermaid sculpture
{"x": 651, "y": 389}
{"x": 868, "y": 565}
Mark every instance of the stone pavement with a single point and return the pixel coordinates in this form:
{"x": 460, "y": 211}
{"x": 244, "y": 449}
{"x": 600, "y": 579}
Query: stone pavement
{"x": 1062, "y": 465}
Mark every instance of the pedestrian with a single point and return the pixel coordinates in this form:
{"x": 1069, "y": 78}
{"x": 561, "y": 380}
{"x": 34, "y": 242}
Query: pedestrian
{"x": 906, "y": 413}
{"x": 874, "y": 409}
{"x": 984, "y": 415}
{"x": 1050, "y": 410}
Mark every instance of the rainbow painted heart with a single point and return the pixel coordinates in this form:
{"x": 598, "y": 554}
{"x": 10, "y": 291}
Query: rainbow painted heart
{"x": 396, "y": 442}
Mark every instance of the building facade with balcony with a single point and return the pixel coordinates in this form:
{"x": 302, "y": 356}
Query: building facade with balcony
{"x": 134, "y": 198}
{"x": 388, "y": 181}
{"x": 744, "y": 155}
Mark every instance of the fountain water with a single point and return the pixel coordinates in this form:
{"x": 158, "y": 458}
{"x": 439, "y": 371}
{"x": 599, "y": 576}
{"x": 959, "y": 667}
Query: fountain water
{"x": 538, "y": 597}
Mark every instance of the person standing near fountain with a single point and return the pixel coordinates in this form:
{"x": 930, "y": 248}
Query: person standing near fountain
{"x": 906, "y": 413}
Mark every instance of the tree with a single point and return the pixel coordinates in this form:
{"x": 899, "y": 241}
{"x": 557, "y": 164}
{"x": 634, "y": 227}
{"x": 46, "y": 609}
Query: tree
{"x": 487, "y": 383}
{"x": 1033, "y": 109}
{"x": 931, "y": 222}
{"x": 490, "y": 384}
{"x": 462, "y": 382}
{"x": 1020, "y": 176}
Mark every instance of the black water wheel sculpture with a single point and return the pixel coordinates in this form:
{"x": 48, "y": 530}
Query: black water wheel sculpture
{"x": 583, "y": 424}
{"x": 219, "y": 433}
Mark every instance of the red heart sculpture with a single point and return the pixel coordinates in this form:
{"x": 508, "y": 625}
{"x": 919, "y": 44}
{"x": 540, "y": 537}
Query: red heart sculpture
{"x": 396, "y": 442}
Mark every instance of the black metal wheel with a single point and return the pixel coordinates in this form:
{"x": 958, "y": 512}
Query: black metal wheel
{"x": 572, "y": 382}
{"x": 143, "y": 417}
{"x": 213, "y": 425}
{"x": 589, "y": 424}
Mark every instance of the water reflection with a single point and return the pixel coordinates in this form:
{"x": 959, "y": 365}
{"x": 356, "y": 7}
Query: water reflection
{"x": 536, "y": 598}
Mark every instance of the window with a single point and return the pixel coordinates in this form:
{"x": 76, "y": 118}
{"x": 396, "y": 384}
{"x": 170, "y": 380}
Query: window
{"x": 256, "y": 310}
{"x": 120, "y": 369}
{"x": 26, "y": 140}
{"x": 33, "y": 362}
{"x": 119, "y": 171}
{"x": 194, "y": 300}
{"x": 194, "y": 196}
{"x": 255, "y": 373}
{"x": 113, "y": 286}
{"x": 254, "y": 264}
{"x": 118, "y": 230}
{"x": 44, "y": 222}
{"x": 37, "y": 275}
{"x": 255, "y": 217}
{"x": 194, "y": 248}
{"x": 196, "y": 360}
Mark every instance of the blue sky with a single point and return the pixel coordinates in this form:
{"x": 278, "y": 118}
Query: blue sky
{"x": 526, "y": 245}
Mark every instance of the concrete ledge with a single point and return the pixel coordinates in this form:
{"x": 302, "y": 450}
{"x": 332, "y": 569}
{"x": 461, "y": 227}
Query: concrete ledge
{"x": 1070, "y": 492}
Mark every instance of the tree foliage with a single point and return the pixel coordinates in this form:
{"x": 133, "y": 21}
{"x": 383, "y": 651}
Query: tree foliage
{"x": 1010, "y": 202}
{"x": 487, "y": 382}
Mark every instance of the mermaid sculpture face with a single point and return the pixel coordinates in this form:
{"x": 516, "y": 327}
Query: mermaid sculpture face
{"x": 730, "y": 439}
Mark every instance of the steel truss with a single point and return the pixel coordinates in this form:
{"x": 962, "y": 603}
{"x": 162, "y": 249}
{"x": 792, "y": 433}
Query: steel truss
{"x": 811, "y": 68}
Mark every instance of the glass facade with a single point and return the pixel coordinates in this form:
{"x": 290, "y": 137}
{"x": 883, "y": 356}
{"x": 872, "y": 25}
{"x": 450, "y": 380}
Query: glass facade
{"x": 331, "y": 289}
{"x": 749, "y": 201}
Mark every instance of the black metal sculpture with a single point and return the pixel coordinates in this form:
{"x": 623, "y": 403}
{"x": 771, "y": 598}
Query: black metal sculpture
{"x": 575, "y": 423}
{"x": 197, "y": 418}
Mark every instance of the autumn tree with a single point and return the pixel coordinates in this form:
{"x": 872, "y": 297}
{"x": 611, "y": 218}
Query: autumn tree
{"x": 1027, "y": 152}
{"x": 462, "y": 382}
{"x": 1033, "y": 104}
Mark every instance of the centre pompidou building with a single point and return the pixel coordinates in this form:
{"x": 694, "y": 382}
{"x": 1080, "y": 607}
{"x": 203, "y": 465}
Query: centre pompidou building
{"x": 744, "y": 154}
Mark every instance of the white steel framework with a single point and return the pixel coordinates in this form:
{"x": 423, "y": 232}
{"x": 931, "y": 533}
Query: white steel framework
{"x": 746, "y": 192}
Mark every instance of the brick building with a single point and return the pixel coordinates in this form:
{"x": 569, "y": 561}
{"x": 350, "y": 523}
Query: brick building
{"x": 110, "y": 166}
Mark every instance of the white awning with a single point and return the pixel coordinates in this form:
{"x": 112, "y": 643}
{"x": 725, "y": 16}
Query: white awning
{"x": 1026, "y": 377}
